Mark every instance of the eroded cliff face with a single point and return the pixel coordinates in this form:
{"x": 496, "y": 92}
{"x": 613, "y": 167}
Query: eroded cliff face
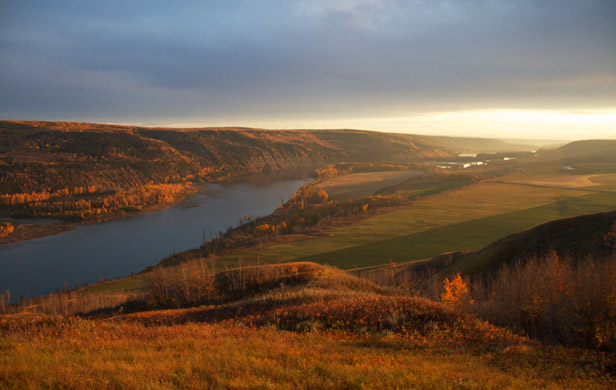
{"x": 47, "y": 156}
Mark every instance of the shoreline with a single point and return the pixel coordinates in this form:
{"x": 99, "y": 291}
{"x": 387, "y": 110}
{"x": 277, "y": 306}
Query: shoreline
{"x": 34, "y": 230}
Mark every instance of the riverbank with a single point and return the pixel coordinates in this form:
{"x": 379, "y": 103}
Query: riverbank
{"x": 25, "y": 230}
{"x": 119, "y": 247}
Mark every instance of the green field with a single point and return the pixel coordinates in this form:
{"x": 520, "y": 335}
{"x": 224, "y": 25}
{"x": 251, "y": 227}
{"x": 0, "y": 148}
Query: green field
{"x": 462, "y": 219}
{"x": 464, "y": 236}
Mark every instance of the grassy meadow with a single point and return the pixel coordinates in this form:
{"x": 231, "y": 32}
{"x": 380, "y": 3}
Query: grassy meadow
{"x": 460, "y": 219}
{"x": 79, "y": 354}
{"x": 327, "y": 331}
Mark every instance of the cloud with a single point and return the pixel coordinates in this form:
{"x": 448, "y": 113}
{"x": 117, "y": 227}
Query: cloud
{"x": 242, "y": 60}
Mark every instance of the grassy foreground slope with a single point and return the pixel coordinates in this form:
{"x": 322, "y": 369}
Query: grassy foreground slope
{"x": 327, "y": 331}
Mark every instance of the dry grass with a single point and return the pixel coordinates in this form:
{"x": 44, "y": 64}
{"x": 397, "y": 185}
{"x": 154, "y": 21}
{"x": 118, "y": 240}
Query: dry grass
{"x": 345, "y": 333}
{"x": 43, "y": 353}
{"x": 70, "y": 303}
{"x": 566, "y": 181}
{"x": 359, "y": 185}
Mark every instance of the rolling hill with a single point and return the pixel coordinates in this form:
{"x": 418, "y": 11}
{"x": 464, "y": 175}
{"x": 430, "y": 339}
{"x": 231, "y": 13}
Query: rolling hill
{"x": 92, "y": 171}
{"x": 576, "y": 237}
{"x": 39, "y": 155}
{"x": 321, "y": 328}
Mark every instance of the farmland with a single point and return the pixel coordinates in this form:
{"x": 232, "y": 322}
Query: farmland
{"x": 461, "y": 219}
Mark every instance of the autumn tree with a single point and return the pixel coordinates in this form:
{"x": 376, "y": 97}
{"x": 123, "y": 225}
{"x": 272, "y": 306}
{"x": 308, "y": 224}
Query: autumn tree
{"x": 456, "y": 292}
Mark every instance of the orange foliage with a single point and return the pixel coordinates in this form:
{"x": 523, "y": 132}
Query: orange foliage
{"x": 6, "y": 230}
{"x": 22, "y": 199}
{"x": 264, "y": 229}
{"x": 456, "y": 291}
{"x": 98, "y": 202}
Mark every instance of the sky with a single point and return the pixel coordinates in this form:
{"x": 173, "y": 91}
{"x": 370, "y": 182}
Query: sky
{"x": 482, "y": 68}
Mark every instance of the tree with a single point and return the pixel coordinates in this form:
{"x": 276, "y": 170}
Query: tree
{"x": 456, "y": 292}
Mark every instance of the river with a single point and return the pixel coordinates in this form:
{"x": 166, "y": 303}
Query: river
{"x": 116, "y": 248}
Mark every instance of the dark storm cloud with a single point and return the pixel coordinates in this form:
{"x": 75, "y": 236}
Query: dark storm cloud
{"x": 147, "y": 60}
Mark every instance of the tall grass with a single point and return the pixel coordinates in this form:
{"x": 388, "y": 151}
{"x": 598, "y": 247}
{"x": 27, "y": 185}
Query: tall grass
{"x": 69, "y": 303}
{"x": 190, "y": 284}
{"x": 187, "y": 285}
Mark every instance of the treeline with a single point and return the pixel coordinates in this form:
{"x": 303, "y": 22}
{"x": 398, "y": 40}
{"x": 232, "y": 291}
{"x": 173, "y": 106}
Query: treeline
{"x": 565, "y": 301}
{"x": 25, "y": 199}
{"x": 333, "y": 170}
{"x": 305, "y": 212}
{"x": 560, "y": 300}
{"x": 90, "y": 202}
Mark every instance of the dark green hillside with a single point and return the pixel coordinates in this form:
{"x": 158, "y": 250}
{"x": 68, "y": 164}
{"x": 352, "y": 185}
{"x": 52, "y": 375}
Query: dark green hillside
{"x": 576, "y": 237}
{"x": 599, "y": 150}
{"x": 580, "y": 153}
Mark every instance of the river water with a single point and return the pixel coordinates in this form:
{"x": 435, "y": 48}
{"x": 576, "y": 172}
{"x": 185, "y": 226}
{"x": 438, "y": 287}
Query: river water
{"x": 117, "y": 248}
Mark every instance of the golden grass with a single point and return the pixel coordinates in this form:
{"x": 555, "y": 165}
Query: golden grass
{"x": 568, "y": 181}
{"x": 345, "y": 334}
{"x": 78, "y": 354}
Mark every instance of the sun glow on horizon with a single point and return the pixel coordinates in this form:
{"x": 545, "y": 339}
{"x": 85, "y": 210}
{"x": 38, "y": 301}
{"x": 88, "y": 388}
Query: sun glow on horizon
{"x": 488, "y": 123}
{"x": 515, "y": 123}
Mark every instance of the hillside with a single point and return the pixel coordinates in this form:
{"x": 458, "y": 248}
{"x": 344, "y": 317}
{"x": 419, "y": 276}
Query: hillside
{"x": 589, "y": 151}
{"x": 578, "y": 154}
{"x": 469, "y": 145}
{"x": 84, "y": 170}
{"x": 123, "y": 155}
{"x": 305, "y": 327}
{"x": 576, "y": 237}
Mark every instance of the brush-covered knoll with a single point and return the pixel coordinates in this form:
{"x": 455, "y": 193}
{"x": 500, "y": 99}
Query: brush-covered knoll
{"x": 577, "y": 237}
{"x": 309, "y": 297}
{"x": 554, "y": 282}
{"x": 327, "y": 330}
{"x": 84, "y": 170}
